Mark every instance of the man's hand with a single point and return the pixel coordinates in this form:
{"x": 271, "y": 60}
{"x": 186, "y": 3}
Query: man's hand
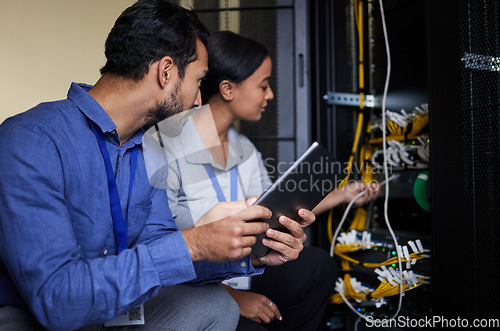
{"x": 228, "y": 239}
{"x": 285, "y": 246}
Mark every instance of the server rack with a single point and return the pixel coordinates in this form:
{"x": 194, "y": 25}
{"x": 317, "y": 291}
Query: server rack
{"x": 444, "y": 53}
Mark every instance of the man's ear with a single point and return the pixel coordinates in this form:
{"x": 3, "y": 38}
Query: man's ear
{"x": 226, "y": 90}
{"x": 165, "y": 70}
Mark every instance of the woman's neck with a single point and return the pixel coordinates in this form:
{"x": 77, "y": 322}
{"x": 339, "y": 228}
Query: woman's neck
{"x": 213, "y": 127}
{"x": 223, "y": 119}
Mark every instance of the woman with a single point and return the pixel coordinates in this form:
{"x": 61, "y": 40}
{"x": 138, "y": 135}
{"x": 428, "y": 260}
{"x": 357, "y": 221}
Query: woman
{"x": 213, "y": 163}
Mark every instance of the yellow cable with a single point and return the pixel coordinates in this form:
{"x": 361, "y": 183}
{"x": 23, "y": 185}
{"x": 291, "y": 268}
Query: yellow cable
{"x": 377, "y": 141}
{"x": 358, "y": 12}
{"x": 359, "y": 220}
{"x": 366, "y": 154}
{"x": 359, "y": 128}
{"x": 329, "y": 225}
{"x": 413, "y": 256}
{"x": 398, "y": 133}
{"x": 359, "y": 20}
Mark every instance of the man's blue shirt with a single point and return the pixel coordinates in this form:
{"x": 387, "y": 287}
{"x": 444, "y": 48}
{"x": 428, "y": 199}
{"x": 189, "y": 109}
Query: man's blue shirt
{"x": 57, "y": 245}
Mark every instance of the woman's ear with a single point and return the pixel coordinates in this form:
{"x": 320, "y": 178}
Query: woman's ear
{"x": 226, "y": 90}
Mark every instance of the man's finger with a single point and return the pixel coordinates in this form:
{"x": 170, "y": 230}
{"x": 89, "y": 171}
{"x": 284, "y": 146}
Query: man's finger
{"x": 248, "y": 241}
{"x": 253, "y": 228}
{"x": 245, "y": 252}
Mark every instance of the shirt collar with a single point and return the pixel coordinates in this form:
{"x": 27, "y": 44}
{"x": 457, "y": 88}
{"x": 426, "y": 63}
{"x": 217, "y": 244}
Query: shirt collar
{"x": 193, "y": 148}
{"x": 78, "y": 93}
{"x": 196, "y": 153}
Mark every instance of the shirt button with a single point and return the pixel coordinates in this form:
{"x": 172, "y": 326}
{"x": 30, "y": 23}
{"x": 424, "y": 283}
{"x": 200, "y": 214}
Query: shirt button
{"x": 105, "y": 252}
{"x": 243, "y": 264}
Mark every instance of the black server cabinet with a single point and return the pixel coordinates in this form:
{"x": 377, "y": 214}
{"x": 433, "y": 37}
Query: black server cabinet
{"x": 464, "y": 53}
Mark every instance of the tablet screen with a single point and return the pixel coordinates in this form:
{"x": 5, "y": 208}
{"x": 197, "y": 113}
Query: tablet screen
{"x": 308, "y": 181}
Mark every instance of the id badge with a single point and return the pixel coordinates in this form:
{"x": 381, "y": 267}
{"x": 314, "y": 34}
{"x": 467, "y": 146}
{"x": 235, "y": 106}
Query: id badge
{"x": 135, "y": 316}
{"x": 239, "y": 283}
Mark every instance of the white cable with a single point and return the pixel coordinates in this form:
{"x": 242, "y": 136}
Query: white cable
{"x": 399, "y": 119}
{"x": 423, "y": 152}
{"x": 346, "y": 212}
{"x": 386, "y": 174}
{"x": 384, "y": 142}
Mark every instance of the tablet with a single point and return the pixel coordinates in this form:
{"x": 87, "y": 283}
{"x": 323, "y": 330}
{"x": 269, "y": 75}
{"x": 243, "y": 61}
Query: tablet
{"x": 308, "y": 180}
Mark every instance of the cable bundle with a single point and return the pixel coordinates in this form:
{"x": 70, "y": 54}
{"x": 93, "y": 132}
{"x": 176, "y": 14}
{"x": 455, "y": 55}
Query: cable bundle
{"x": 404, "y": 126}
{"x": 389, "y": 285}
{"x": 403, "y": 156}
{"x": 350, "y": 242}
{"x": 390, "y": 279}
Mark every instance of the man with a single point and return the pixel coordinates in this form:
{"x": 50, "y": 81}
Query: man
{"x": 84, "y": 237}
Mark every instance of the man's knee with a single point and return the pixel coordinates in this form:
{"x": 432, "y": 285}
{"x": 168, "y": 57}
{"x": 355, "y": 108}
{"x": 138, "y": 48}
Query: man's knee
{"x": 184, "y": 307}
{"x": 16, "y": 318}
{"x": 224, "y": 312}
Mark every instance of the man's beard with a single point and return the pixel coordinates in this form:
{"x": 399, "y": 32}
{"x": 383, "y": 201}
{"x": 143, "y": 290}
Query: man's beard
{"x": 169, "y": 115}
{"x": 165, "y": 108}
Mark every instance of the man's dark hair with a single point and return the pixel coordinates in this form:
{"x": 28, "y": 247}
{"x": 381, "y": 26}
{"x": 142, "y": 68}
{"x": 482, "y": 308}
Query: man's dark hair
{"x": 146, "y": 32}
{"x": 230, "y": 56}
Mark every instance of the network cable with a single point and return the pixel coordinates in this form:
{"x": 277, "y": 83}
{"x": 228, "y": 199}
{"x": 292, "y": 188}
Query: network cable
{"x": 348, "y": 208}
{"x": 386, "y": 174}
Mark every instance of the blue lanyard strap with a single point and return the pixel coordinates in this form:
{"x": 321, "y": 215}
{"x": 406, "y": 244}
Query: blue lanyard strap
{"x": 216, "y": 185}
{"x": 120, "y": 226}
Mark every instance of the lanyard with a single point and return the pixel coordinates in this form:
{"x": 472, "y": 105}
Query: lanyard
{"x": 120, "y": 226}
{"x": 216, "y": 185}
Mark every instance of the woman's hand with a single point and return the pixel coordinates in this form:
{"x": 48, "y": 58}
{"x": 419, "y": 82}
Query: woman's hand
{"x": 223, "y": 210}
{"x": 350, "y": 191}
{"x": 255, "y": 307}
{"x": 285, "y": 246}
{"x": 346, "y": 194}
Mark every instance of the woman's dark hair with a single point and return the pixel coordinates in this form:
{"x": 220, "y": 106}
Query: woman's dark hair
{"x": 146, "y": 32}
{"x": 230, "y": 56}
